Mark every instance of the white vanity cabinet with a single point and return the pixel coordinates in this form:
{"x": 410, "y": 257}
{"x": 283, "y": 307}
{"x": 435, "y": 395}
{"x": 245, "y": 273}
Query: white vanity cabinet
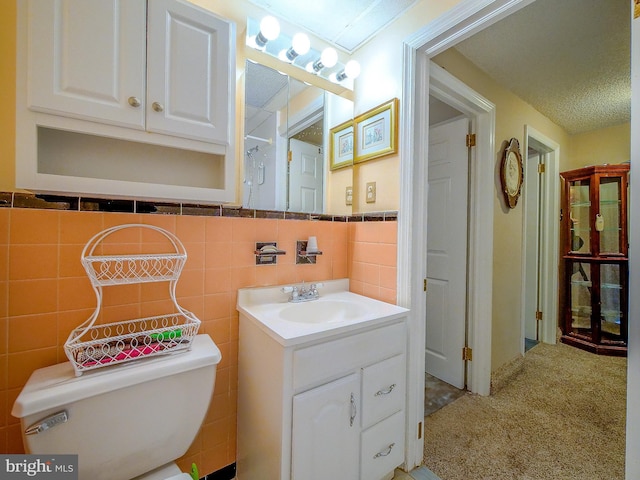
{"x": 156, "y": 78}
{"x": 329, "y": 407}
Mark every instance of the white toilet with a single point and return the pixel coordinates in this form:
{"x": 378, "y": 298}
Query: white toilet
{"x": 123, "y": 422}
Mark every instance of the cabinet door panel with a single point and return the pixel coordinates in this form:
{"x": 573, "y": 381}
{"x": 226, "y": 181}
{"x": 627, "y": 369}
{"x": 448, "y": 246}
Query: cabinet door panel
{"x": 188, "y": 72}
{"x": 326, "y": 431}
{"x": 87, "y": 58}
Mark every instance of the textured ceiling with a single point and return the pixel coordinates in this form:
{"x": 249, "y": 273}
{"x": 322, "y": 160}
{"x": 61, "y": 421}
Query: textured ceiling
{"x": 570, "y": 59}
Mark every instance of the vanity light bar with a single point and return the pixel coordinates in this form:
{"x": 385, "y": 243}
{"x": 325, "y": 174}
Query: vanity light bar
{"x": 266, "y": 37}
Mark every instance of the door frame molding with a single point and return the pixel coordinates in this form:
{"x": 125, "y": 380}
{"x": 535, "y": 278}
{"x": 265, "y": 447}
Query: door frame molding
{"x": 549, "y": 244}
{"x": 463, "y": 20}
{"x": 481, "y": 113}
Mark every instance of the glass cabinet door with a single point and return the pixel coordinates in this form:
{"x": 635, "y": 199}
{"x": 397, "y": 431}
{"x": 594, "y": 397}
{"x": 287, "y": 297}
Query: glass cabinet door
{"x": 608, "y": 217}
{"x": 610, "y": 301}
{"x": 580, "y": 216}
{"x": 580, "y": 297}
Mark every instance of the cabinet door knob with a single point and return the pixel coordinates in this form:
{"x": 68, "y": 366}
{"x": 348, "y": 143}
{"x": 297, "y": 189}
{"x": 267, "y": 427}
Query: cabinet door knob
{"x": 157, "y": 107}
{"x": 134, "y": 101}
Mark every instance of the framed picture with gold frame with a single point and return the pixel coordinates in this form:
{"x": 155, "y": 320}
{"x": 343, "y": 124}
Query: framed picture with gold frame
{"x": 376, "y": 132}
{"x": 341, "y": 146}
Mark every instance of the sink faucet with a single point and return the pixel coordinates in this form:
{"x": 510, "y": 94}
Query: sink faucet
{"x": 301, "y": 294}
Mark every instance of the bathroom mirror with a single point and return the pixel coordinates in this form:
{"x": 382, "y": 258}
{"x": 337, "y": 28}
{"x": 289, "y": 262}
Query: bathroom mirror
{"x": 286, "y": 141}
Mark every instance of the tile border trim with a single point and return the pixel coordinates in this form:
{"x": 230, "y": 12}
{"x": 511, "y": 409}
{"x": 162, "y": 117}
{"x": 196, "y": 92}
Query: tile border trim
{"x": 90, "y": 204}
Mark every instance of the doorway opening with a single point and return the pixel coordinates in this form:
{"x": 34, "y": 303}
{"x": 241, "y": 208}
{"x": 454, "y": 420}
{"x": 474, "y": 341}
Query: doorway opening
{"x": 540, "y": 240}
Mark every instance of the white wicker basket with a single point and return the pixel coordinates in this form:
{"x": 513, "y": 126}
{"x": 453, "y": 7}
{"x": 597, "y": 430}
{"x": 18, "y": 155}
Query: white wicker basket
{"x": 93, "y": 346}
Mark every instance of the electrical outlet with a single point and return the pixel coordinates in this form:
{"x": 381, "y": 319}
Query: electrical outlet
{"x": 371, "y": 192}
{"x": 348, "y": 197}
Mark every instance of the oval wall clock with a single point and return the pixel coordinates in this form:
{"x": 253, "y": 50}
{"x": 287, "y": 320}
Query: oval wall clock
{"x": 511, "y": 172}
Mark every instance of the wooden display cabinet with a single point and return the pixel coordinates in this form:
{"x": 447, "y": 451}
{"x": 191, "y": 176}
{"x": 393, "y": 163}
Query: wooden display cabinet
{"x": 594, "y": 293}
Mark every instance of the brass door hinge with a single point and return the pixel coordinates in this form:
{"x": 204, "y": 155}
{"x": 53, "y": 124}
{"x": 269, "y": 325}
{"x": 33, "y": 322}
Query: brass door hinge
{"x": 424, "y": 285}
{"x": 471, "y": 140}
{"x": 538, "y": 315}
{"x": 290, "y": 155}
{"x": 541, "y": 168}
{"x": 467, "y": 354}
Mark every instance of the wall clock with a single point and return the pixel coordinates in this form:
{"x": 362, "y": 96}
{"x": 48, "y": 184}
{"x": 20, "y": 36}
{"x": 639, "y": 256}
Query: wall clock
{"x": 511, "y": 172}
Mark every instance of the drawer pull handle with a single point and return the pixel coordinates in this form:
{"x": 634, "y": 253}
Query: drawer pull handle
{"x": 385, "y": 392}
{"x": 354, "y": 410}
{"x": 386, "y": 452}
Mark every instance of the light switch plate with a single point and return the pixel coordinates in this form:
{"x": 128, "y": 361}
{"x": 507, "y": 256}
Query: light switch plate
{"x": 348, "y": 197}
{"x": 371, "y": 192}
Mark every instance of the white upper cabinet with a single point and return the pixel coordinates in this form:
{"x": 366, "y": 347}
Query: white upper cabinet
{"x": 127, "y": 98}
{"x": 187, "y": 72}
{"x": 87, "y": 58}
{"x": 162, "y": 67}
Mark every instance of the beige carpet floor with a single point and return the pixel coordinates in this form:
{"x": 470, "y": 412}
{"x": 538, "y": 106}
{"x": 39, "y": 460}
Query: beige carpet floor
{"x": 562, "y": 417}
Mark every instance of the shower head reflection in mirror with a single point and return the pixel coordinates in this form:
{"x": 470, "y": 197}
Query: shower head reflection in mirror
{"x": 254, "y": 174}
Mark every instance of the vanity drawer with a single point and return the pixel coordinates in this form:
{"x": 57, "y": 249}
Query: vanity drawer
{"x": 382, "y": 447}
{"x": 383, "y": 389}
{"x": 317, "y": 363}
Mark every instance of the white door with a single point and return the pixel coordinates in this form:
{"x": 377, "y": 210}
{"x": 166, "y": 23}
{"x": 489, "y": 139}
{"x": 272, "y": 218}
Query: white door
{"x": 87, "y": 59}
{"x": 531, "y": 288}
{"x": 305, "y": 177}
{"x": 326, "y": 431}
{"x": 447, "y": 251}
{"x": 188, "y": 85}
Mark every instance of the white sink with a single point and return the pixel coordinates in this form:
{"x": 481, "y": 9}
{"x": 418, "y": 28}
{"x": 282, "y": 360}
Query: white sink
{"x": 327, "y": 311}
{"x": 337, "y": 310}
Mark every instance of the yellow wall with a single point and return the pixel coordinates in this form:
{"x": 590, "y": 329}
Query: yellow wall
{"x": 609, "y": 145}
{"x": 380, "y": 80}
{"x": 7, "y": 95}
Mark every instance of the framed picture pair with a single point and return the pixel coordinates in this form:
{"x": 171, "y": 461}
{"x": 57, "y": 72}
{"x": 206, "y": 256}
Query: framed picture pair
{"x": 373, "y": 134}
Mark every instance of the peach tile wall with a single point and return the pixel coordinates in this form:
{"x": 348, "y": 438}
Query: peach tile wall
{"x": 44, "y": 292}
{"x": 372, "y": 259}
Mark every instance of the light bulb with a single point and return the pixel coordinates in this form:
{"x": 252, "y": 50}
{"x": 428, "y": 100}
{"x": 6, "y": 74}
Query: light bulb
{"x": 301, "y": 43}
{"x": 269, "y": 30}
{"x": 329, "y": 57}
{"x": 270, "y": 27}
{"x": 352, "y": 69}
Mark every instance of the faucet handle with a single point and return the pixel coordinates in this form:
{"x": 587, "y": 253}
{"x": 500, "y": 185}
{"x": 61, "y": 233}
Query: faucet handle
{"x": 287, "y": 289}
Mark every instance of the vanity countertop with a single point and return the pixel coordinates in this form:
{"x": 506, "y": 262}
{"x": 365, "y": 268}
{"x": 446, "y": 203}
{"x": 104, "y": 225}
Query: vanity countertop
{"x": 336, "y": 311}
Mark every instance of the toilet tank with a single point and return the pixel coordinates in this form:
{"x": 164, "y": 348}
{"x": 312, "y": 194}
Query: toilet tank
{"x": 125, "y": 420}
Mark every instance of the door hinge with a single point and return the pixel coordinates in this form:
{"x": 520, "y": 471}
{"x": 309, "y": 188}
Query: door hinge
{"x": 424, "y": 284}
{"x": 419, "y": 430}
{"x": 290, "y": 155}
{"x": 538, "y": 315}
{"x": 467, "y": 354}
{"x": 541, "y": 168}
{"x": 471, "y": 140}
